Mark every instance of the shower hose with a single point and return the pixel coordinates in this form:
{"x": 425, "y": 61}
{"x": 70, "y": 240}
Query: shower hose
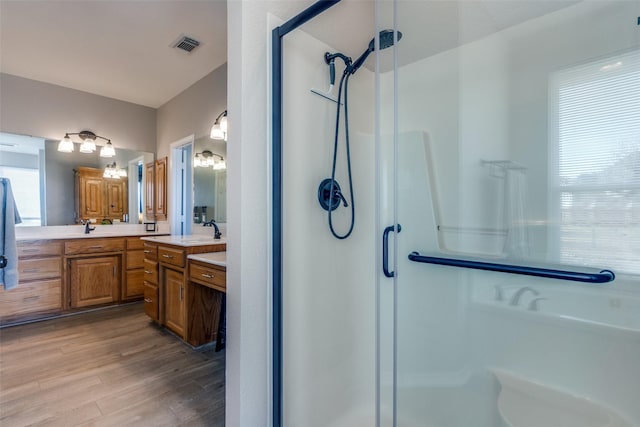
{"x": 344, "y": 81}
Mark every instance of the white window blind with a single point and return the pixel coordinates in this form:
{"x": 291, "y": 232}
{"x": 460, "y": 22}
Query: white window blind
{"x": 598, "y": 174}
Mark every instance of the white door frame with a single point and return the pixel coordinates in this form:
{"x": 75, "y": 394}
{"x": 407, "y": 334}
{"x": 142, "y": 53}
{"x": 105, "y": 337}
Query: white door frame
{"x": 181, "y": 185}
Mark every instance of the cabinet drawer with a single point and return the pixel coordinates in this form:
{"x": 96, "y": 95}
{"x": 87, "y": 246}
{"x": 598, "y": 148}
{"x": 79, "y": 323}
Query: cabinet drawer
{"x": 171, "y": 256}
{"x": 93, "y": 246}
{"x": 208, "y": 276}
{"x": 31, "y": 297}
{"x": 151, "y": 251}
{"x": 151, "y": 301}
{"x": 135, "y": 243}
{"x": 39, "y": 268}
{"x": 151, "y": 271}
{"x": 38, "y": 248}
{"x": 135, "y": 259}
{"x": 133, "y": 286}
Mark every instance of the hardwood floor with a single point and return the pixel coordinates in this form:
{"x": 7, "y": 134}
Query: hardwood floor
{"x": 110, "y": 367}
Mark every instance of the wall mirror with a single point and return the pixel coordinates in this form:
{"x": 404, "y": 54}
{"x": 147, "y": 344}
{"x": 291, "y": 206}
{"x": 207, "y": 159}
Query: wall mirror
{"x": 35, "y": 165}
{"x": 209, "y": 180}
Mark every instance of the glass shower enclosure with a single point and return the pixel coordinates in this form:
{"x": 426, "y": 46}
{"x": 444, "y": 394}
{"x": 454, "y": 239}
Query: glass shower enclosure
{"x": 492, "y": 176}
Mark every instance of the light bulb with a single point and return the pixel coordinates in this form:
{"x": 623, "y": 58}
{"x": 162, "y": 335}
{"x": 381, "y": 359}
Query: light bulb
{"x": 65, "y": 145}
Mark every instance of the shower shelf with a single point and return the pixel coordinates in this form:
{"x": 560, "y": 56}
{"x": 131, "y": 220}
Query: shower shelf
{"x": 603, "y": 277}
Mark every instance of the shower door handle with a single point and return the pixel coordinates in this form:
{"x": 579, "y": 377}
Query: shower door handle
{"x": 385, "y": 249}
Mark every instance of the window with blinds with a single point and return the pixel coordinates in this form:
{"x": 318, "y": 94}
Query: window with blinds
{"x": 597, "y": 186}
{"x": 25, "y": 182}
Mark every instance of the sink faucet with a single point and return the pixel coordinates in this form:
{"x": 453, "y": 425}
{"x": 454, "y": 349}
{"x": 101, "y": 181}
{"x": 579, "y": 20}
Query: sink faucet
{"x": 533, "y": 305}
{"x": 515, "y": 299}
{"x": 217, "y": 234}
{"x": 87, "y": 227}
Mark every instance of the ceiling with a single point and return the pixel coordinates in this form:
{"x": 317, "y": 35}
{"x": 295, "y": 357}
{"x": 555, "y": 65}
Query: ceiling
{"x": 122, "y": 49}
{"x": 118, "y": 49}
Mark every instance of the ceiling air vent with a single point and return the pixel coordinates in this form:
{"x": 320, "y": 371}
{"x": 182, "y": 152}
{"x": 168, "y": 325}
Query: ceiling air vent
{"x": 186, "y": 43}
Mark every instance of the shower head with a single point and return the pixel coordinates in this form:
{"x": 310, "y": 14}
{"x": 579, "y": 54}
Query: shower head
{"x": 387, "y": 39}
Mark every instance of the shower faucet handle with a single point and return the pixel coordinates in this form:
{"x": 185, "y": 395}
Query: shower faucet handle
{"x": 338, "y": 193}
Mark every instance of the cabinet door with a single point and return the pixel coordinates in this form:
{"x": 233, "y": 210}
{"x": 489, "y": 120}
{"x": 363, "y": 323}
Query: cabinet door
{"x": 174, "y": 301}
{"x": 149, "y": 179}
{"x": 94, "y": 280}
{"x": 161, "y": 189}
{"x": 91, "y": 196}
{"x": 116, "y": 198}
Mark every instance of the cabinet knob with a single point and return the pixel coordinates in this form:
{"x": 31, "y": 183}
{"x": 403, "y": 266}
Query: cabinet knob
{"x": 208, "y": 276}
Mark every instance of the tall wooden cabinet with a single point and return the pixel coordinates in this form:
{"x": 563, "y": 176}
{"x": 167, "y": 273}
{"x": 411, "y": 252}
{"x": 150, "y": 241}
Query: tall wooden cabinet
{"x": 97, "y": 197}
{"x": 156, "y": 190}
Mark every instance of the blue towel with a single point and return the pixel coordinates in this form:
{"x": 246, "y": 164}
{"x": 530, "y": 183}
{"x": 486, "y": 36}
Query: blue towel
{"x": 9, "y": 217}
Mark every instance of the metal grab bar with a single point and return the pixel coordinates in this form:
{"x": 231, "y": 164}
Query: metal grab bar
{"x": 603, "y": 277}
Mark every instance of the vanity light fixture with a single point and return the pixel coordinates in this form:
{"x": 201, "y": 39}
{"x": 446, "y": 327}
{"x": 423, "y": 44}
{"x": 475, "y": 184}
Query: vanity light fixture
{"x": 219, "y": 128}
{"x": 88, "y": 144}
{"x": 112, "y": 171}
{"x": 209, "y": 159}
{"x": 107, "y": 150}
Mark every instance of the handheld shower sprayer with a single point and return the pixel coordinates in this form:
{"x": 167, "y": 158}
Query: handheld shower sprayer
{"x": 329, "y": 193}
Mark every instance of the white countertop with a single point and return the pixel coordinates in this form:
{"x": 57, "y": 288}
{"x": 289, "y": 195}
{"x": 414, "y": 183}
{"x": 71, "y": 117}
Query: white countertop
{"x": 77, "y": 232}
{"x": 216, "y": 258}
{"x": 186, "y": 241}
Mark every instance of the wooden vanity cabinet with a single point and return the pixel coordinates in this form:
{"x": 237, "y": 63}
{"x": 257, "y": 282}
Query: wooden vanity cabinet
{"x": 57, "y": 276}
{"x": 156, "y": 190}
{"x": 39, "y": 290}
{"x": 167, "y": 294}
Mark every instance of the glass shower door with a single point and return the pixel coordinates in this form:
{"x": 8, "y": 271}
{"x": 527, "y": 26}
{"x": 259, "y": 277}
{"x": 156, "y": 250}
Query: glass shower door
{"x": 516, "y": 143}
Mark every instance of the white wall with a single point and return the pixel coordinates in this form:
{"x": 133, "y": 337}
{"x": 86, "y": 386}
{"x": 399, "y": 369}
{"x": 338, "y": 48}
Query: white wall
{"x": 29, "y": 107}
{"x": 248, "y": 360}
{"x": 192, "y": 111}
{"x": 329, "y": 284}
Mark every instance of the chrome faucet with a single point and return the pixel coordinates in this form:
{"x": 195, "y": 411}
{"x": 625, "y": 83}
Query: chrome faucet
{"x": 515, "y": 299}
{"x": 217, "y": 234}
{"x": 533, "y": 305}
{"x": 87, "y": 227}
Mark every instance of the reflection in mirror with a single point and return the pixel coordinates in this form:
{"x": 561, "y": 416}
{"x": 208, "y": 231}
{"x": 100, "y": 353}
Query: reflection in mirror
{"x": 210, "y": 180}
{"x": 35, "y": 163}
